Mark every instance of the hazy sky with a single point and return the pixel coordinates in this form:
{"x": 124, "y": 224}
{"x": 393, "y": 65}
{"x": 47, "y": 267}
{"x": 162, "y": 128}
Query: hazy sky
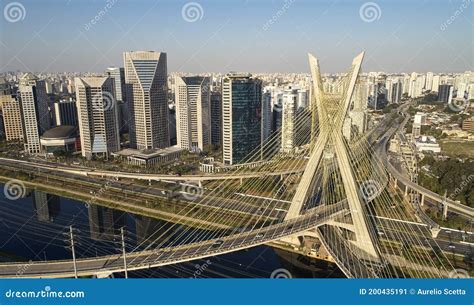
{"x": 255, "y": 36}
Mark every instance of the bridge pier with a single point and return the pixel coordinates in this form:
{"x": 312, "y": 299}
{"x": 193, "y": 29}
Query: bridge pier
{"x": 241, "y": 181}
{"x": 445, "y": 211}
{"x": 406, "y": 190}
{"x": 422, "y": 201}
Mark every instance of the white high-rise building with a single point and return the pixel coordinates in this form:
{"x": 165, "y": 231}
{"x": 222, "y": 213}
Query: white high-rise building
{"x": 97, "y": 116}
{"x": 146, "y": 90}
{"x": 289, "y": 122}
{"x": 436, "y": 83}
{"x": 193, "y": 117}
{"x": 34, "y": 111}
{"x": 429, "y": 81}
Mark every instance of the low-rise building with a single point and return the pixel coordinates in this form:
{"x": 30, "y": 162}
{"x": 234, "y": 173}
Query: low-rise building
{"x": 427, "y": 143}
{"x": 59, "y": 139}
{"x": 149, "y": 158}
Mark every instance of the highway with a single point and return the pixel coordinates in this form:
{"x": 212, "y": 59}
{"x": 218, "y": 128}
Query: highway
{"x": 452, "y": 205}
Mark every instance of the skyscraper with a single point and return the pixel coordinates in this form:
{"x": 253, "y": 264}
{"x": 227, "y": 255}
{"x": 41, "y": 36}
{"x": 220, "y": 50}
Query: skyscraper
{"x": 216, "y": 118}
{"x": 118, "y": 75}
{"x": 12, "y": 119}
{"x": 266, "y": 115}
{"x": 34, "y": 111}
{"x": 193, "y": 117}
{"x": 146, "y": 91}
{"x": 97, "y": 114}
{"x": 65, "y": 113}
{"x": 241, "y": 116}
{"x": 396, "y": 92}
{"x": 445, "y": 93}
{"x": 288, "y": 128}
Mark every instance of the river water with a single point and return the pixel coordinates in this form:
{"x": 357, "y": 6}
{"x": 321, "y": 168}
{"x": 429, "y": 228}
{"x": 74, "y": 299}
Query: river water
{"x": 37, "y": 227}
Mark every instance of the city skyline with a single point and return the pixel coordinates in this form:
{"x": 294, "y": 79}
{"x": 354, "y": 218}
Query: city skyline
{"x": 207, "y": 36}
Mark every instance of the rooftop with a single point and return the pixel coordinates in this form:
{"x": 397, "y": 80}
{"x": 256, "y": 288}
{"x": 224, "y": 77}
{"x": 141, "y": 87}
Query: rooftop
{"x": 60, "y": 132}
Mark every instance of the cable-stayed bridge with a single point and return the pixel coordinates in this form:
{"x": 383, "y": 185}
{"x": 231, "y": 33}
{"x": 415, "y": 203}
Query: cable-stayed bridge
{"x": 335, "y": 189}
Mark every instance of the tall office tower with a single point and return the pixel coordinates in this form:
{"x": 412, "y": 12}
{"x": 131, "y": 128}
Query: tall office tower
{"x": 412, "y": 84}
{"x": 303, "y": 100}
{"x": 419, "y": 85}
{"x": 396, "y": 94}
{"x": 241, "y": 116}
{"x": 12, "y": 119}
{"x": 34, "y": 111}
{"x": 193, "y": 118}
{"x": 406, "y": 84}
{"x": 65, "y": 113}
{"x": 118, "y": 75}
{"x": 289, "y": 122}
{"x": 436, "y": 83}
{"x": 146, "y": 90}
{"x": 97, "y": 115}
{"x": 470, "y": 91}
{"x": 445, "y": 93}
{"x": 388, "y": 85}
{"x": 216, "y": 118}
{"x": 266, "y": 116}
{"x": 429, "y": 81}
{"x": 4, "y": 98}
